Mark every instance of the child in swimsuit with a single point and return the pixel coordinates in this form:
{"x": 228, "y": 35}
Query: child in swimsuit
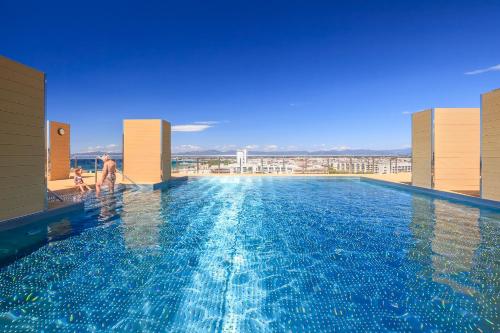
{"x": 79, "y": 181}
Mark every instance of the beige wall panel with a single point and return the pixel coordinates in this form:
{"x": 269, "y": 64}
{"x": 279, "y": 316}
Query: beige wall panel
{"x": 421, "y": 148}
{"x": 37, "y": 112}
{"x": 15, "y": 118}
{"x": 457, "y": 149}
{"x": 8, "y": 181}
{"x": 450, "y": 163}
{"x": 22, "y": 140}
{"x": 142, "y": 150}
{"x": 21, "y": 88}
{"x": 22, "y": 190}
{"x": 7, "y": 64}
{"x": 12, "y": 75}
{"x": 59, "y": 151}
{"x": 465, "y": 185}
{"x": 23, "y": 129}
{"x": 15, "y": 139}
{"x": 19, "y": 98}
{"x": 22, "y": 150}
{"x": 490, "y": 145}
{"x": 166, "y": 151}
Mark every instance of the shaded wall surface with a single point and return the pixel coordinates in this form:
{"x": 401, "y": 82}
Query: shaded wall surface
{"x": 166, "y": 161}
{"x": 446, "y": 149}
{"x": 146, "y": 150}
{"x": 22, "y": 140}
{"x": 490, "y": 145}
{"x": 422, "y": 149}
{"x": 59, "y": 150}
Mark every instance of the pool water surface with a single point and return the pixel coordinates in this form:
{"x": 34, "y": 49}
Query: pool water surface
{"x": 256, "y": 254}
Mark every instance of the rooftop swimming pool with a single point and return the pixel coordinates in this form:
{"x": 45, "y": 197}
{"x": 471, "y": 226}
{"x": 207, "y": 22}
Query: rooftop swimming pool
{"x": 256, "y": 254}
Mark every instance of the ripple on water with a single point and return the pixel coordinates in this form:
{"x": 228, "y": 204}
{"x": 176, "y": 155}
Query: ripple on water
{"x": 256, "y": 254}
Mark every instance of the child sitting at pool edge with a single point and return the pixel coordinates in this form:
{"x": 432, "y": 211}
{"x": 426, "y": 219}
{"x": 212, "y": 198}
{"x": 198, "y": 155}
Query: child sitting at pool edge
{"x": 79, "y": 180}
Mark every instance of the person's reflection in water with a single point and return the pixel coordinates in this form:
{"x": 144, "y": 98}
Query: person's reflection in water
{"x": 141, "y": 220}
{"x": 108, "y": 205}
{"x": 59, "y": 230}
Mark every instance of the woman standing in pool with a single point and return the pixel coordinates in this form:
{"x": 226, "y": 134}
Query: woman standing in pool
{"x": 108, "y": 176}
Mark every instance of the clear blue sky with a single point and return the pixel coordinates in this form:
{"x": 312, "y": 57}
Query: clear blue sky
{"x": 267, "y": 74}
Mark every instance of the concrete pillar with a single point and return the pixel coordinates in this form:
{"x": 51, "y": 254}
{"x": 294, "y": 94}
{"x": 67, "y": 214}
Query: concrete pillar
{"x": 146, "y": 151}
{"x": 58, "y": 150}
{"x": 490, "y": 145}
{"x": 23, "y": 156}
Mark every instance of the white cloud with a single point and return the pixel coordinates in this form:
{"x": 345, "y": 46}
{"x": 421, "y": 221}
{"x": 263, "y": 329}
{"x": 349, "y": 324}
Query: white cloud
{"x": 209, "y": 122}
{"x": 495, "y": 68}
{"x": 190, "y": 128}
{"x": 94, "y": 148}
{"x": 252, "y": 146}
{"x": 197, "y": 126}
{"x": 186, "y": 148}
{"x": 270, "y": 148}
{"x": 111, "y": 148}
{"x": 225, "y": 147}
{"x": 406, "y": 112}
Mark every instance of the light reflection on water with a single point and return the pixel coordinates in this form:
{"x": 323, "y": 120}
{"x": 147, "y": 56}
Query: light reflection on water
{"x": 256, "y": 254}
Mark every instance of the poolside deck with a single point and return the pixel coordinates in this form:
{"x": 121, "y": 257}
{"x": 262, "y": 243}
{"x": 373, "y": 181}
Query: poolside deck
{"x": 67, "y": 184}
{"x": 399, "y": 178}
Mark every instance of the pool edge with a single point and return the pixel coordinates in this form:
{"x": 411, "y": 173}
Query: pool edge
{"x": 62, "y": 209}
{"x": 442, "y": 194}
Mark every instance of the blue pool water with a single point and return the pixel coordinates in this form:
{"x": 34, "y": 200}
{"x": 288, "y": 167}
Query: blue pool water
{"x": 255, "y": 255}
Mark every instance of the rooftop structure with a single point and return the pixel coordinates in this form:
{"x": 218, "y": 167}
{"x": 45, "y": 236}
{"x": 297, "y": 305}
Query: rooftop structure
{"x": 22, "y": 133}
{"x": 23, "y": 154}
{"x": 446, "y": 149}
{"x": 490, "y": 145}
{"x": 58, "y": 150}
{"x": 146, "y": 151}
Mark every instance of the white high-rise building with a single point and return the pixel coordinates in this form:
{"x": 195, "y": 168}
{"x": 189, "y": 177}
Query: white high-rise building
{"x": 241, "y": 157}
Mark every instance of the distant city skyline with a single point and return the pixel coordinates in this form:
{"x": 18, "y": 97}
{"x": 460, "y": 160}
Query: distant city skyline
{"x": 267, "y": 76}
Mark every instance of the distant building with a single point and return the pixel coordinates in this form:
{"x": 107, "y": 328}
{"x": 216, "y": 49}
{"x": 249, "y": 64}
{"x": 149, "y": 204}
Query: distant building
{"x": 241, "y": 157}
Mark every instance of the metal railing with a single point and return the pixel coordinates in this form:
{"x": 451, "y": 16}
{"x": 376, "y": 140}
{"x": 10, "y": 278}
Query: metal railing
{"x": 52, "y": 196}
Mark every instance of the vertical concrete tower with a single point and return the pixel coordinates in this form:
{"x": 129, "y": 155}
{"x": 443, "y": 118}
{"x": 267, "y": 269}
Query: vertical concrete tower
{"x": 58, "y": 150}
{"x": 490, "y": 145}
{"x": 146, "y": 151}
{"x": 22, "y": 138}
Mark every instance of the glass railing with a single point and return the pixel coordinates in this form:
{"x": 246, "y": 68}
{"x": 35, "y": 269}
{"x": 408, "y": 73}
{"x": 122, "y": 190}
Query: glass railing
{"x": 276, "y": 164}
{"x": 290, "y": 165}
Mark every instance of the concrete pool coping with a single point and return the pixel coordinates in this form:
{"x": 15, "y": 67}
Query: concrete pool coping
{"x": 56, "y": 209}
{"x": 156, "y": 186}
{"x": 437, "y": 193}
